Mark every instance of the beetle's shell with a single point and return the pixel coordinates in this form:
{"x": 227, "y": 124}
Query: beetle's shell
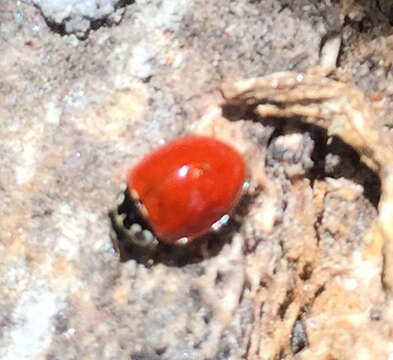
{"x": 187, "y": 185}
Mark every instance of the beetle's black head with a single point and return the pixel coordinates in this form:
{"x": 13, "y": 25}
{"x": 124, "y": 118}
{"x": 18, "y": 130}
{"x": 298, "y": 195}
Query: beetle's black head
{"x": 131, "y": 232}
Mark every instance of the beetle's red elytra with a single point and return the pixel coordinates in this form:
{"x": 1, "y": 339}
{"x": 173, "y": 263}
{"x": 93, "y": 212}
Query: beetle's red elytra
{"x": 183, "y": 189}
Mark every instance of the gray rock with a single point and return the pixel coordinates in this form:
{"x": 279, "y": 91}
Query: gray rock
{"x": 78, "y": 17}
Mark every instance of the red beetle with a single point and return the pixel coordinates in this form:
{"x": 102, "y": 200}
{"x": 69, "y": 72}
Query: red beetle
{"x": 180, "y": 191}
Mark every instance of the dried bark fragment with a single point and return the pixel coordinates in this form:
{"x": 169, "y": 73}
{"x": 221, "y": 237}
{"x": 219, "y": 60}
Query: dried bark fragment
{"x": 332, "y": 296}
{"x": 327, "y": 99}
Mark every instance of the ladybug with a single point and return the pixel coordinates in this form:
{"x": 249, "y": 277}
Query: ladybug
{"x": 179, "y": 192}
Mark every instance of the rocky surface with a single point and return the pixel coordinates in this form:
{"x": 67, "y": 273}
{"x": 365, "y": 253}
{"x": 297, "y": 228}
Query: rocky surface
{"x": 299, "y": 276}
